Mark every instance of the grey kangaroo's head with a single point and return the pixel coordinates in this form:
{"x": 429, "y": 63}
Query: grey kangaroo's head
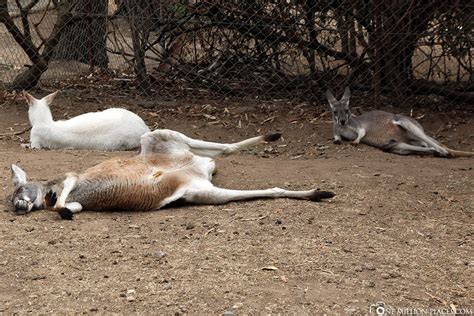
{"x": 27, "y": 196}
{"x": 340, "y": 109}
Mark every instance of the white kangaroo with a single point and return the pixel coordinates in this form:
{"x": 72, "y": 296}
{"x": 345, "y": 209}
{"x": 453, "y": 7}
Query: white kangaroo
{"x": 395, "y": 133}
{"x": 170, "y": 166}
{"x": 112, "y": 129}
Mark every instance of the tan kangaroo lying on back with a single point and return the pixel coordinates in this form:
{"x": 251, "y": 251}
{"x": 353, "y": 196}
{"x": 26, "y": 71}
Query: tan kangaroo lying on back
{"x": 395, "y": 133}
{"x": 170, "y": 166}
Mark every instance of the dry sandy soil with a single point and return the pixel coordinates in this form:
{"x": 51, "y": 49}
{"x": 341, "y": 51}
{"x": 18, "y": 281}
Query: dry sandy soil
{"x": 399, "y": 231}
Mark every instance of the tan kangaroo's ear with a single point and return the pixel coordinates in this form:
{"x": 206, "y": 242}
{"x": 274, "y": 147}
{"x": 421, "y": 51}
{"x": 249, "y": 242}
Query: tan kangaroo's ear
{"x": 50, "y": 97}
{"x": 28, "y": 97}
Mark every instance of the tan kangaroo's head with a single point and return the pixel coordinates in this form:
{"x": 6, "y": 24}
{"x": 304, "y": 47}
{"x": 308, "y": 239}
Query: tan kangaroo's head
{"x": 340, "y": 109}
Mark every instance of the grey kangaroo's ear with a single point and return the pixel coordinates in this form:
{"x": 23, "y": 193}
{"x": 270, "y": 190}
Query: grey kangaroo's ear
{"x": 331, "y": 98}
{"x": 346, "y": 96}
{"x": 50, "y": 97}
{"x": 18, "y": 175}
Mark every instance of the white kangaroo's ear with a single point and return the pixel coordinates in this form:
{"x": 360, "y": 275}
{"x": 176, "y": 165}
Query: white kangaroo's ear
{"x": 332, "y": 100}
{"x": 28, "y": 97}
{"x": 346, "y": 96}
{"x": 50, "y": 97}
{"x": 18, "y": 175}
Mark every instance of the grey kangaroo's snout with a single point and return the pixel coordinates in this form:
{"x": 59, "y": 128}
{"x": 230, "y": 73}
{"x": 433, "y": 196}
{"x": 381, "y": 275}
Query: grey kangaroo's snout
{"x": 342, "y": 122}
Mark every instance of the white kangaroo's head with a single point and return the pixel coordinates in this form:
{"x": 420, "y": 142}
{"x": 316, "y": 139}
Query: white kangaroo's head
{"x": 39, "y": 111}
{"x": 28, "y": 196}
{"x": 340, "y": 109}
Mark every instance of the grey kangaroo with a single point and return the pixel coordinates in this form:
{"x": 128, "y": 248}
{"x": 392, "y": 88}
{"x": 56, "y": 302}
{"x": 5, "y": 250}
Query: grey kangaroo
{"x": 395, "y": 133}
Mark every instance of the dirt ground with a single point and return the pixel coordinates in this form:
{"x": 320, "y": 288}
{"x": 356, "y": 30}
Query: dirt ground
{"x": 399, "y": 231}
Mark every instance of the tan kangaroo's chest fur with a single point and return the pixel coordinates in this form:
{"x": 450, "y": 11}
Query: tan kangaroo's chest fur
{"x": 131, "y": 183}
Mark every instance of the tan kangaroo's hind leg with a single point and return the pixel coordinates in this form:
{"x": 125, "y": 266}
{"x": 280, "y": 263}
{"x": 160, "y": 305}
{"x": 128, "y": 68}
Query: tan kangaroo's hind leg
{"x": 206, "y": 193}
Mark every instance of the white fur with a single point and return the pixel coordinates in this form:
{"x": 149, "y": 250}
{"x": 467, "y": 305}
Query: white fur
{"x": 112, "y": 129}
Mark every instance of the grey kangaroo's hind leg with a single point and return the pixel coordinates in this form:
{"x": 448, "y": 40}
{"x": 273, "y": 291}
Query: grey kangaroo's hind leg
{"x": 416, "y": 131}
{"x": 407, "y": 149}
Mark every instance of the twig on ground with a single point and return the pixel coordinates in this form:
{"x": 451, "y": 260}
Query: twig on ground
{"x": 15, "y": 133}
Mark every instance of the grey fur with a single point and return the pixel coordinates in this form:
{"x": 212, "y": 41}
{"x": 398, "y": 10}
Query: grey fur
{"x": 395, "y": 133}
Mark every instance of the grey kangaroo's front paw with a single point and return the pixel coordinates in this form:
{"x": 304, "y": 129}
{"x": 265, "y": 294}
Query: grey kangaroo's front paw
{"x": 336, "y": 141}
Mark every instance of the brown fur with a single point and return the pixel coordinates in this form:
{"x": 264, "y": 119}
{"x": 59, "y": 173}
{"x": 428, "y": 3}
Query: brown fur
{"x": 130, "y": 183}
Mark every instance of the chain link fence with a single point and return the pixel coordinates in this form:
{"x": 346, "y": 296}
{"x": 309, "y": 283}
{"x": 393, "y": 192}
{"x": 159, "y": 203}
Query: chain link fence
{"x": 286, "y": 49}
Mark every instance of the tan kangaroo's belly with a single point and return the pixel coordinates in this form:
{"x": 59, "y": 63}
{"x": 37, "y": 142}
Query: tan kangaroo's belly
{"x": 129, "y": 184}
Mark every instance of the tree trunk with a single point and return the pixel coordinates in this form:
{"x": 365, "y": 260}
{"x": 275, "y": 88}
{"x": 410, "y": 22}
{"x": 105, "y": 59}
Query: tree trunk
{"x": 400, "y": 27}
{"x": 30, "y": 77}
{"x": 140, "y": 19}
{"x": 84, "y": 40}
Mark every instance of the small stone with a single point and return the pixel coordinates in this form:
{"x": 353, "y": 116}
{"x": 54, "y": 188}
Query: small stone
{"x": 351, "y": 310}
{"x": 394, "y": 274}
{"x": 237, "y": 305}
{"x": 228, "y": 313}
{"x": 94, "y": 309}
{"x": 189, "y": 226}
{"x": 133, "y": 226}
{"x": 369, "y": 284}
{"x": 131, "y": 295}
{"x": 369, "y": 266}
{"x": 358, "y": 269}
{"x": 167, "y": 286}
{"x": 385, "y": 275}
{"x": 29, "y": 229}
{"x": 160, "y": 254}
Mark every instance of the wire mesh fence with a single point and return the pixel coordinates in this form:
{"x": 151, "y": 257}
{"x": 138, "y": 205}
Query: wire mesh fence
{"x": 291, "y": 49}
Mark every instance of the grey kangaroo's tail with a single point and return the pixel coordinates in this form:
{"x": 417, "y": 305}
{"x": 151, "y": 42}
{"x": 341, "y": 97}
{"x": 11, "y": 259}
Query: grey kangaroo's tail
{"x": 458, "y": 153}
{"x": 441, "y": 149}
